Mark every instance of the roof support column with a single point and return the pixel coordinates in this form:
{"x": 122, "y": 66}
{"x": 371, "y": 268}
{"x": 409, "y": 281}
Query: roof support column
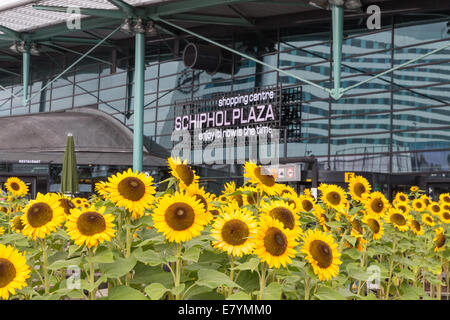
{"x": 338, "y": 30}
{"x": 138, "y": 101}
{"x": 26, "y": 72}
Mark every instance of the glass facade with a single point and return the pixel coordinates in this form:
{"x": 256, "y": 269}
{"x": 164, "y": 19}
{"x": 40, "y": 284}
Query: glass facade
{"x": 398, "y": 123}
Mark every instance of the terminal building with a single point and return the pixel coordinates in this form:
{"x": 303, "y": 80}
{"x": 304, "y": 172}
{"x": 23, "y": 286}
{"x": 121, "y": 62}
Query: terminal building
{"x": 74, "y": 66}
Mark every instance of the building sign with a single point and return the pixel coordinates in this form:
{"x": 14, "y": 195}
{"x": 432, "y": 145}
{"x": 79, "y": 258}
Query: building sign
{"x": 348, "y": 176}
{"x": 235, "y": 114}
{"x": 284, "y": 172}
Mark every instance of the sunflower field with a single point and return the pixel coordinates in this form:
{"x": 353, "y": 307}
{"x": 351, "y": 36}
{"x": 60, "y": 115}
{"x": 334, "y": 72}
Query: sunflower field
{"x": 141, "y": 239}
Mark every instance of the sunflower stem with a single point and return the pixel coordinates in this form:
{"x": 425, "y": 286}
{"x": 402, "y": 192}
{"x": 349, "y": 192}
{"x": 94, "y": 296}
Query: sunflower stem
{"x": 307, "y": 287}
{"x": 230, "y": 290}
{"x": 91, "y": 274}
{"x": 391, "y": 266}
{"x": 44, "y": 265}
{"x": 128, "y": 246}
{"x": 178, "y": 270}
{"x": 262, "y": 280}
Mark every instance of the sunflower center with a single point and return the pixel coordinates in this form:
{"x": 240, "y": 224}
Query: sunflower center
{"x": 377, "y": 205}
{"x": 429, "y": 219}
{"x": 285, "y": 216}
{"x": 402, "y": 198}
{"x": 357, "y": 226}
{"x": 402, "y": 208}
{"x": 416, "y": 225}
{"x": 440, "y": 240}
{"x": 17, "y": 223}
{"x": 307, "y": 205}
{"x": 373, "y": 225}
{"x": 15, "y": 186}
{"x": 334, "y": 198}
{"x": 235, "y": 232}
{"x": 275, "y": 241}
{"x": 185, "y": 173}
{"x": 446, "y": 199}
{"x": 251, "y": 198}
{"x": 446, "y": 215}
{"x": 267, "y": 180}
{"x": 321, "y": 253}
{"x": 90, "y": 223}
{"x": 419, "y": 205}
{"x": 131, "y": 188}
{"x": 202, "y": 201}
{"x": 7, "y": 272}
{"x": 435, "y": 208}
{"x": 359, "y": 189}
{"x": 4, "y": 209}
{"x": 66, "y": 204}
{"x": 39, "y": 214}
{"x": 238, "y": 199}
{"x": 179, "y": 216}
{"x": 398, "y": 219}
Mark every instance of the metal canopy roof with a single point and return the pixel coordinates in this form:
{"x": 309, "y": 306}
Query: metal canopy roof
{"x": 43, "y": 137}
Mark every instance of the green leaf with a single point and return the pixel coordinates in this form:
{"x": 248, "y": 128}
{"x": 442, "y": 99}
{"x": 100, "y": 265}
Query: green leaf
{"x": 326, "y": 293}
{"x": 357, "y": 273}
{"x": 149, "y": 257}
{"x": 407, "y": 274}
{"x": 352, "y": 253}
{"x": 102, "y": 255}
{"x": 240, "y": 295}
{"x": 213, "y": 279}
{"x": 251, "y": 264}
{"x": 119, "y": 267}
{"x": 155, "y": 291}
{"x": 9, "y": 238}
{"x": 272, "y": 291}
{"x": 64, "y": 263}
{"x": 192, "y": 254}
{"x": 126, "y": 293}
{"x": 72, "y": 249}
{"x": 178, "y": 289}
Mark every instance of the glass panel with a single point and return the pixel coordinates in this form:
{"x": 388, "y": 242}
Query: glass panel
{"x": 113, "y": 93}
{"x": 61, "y": 104}
{"x": 84, "y": 100}
{"x": 113, "y": 80}
{"x": 422, "y": 118}
{"x": 360, "y": 124}
{"x": 362, "y": 104}
{"x": 421, "y": 140}
{"x": 371, "y": 162}
{"x": 421, "y": 161}
{"x": 364, "y": 144}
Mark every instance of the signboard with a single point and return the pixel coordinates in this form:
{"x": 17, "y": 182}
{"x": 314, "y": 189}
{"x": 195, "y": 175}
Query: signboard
{"x": 284, "y": 172}
{"x": 348, "y": 176}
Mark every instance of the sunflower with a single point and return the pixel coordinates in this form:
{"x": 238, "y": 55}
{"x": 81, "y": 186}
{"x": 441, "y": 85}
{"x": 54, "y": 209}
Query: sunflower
{"x": 321, "y": 252}
{"x": 205, "y": 198}
{"x": 376, "y": 204}
{"x": 2, "y": 230}
{"x": 375, "y": 224}
{"x": 17, "y": 224}
{"x": 284, "y": 190}
{"x": 416, "y": 227}
{"x": 78, "y": 202}
{"x": 403, "y": 206}
{"x": 42, "y": 216}
{"x": 250, "y": 195}
{"x": 132, "y": 191}
{"x": 13, "y": 271}
{"x": 425, "y": 199}
{"x": 414, "y": 189}
{"x": 16, "y": 187}
{"x": 5, "y": 210}
{"x": 262, "y": 180}
{"x": 435, "y": 208}
{"x": 285, "y": 213}
{"x": 398, "y": 219}
{"x": 274, "y": 244}
{"x": 306, "y": 203}
{"x": 428, "y": 219}
{"x": 444, "y": 198}
{"x": 439, "y": 239}
{"x": 90, "y": 226}
{"x": 418, "y": 205}
{"x": 179, "y": 217}
{"x": 182, "y": 172}
{"x": 100, "y": 188}
{"x": 358, "y": 186}
{"x": 319, "y": 213}
{"x": 65, "y": 203}
{"x": 235, "y": 230}
{"x": 401, "y": 197}
{"x": 445, "y": 216}
{"x": 357, "y": 229}
{"x": 334, "y": 197}
{"x": 225, "y": 197}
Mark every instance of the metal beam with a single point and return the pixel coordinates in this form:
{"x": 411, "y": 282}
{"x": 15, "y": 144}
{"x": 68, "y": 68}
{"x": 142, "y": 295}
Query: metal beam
{"x": 188, "y": 5}
{"x": 75, "y": 52}
{"x": 123, "y": 6}
{"x": 106, "y": 13}
{"x": 209, "y": 19}
{"x": 77, "y": 40}
{"x": 26, "y": 72}
{"x": 338, "y": 29}
{"x": 138, "y": 132}
{"x": 10, "y": 32}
